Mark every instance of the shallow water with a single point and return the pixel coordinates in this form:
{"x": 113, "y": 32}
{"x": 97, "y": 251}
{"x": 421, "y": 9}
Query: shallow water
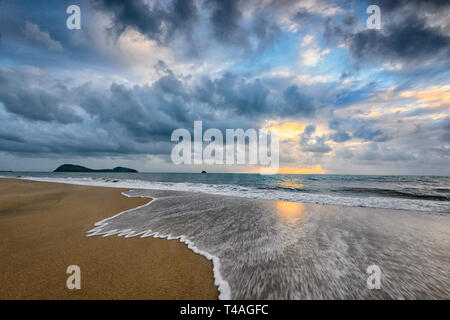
{"x": 265, "y": 249}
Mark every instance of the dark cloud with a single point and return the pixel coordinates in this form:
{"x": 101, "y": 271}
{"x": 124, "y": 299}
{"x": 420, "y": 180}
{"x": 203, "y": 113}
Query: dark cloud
{"x": 132, "y": 116}
{"x": 11, "y": 137}
{"x": 113, "y": 120}
{"x": 401, "y": 5}
{"x": 154, "y": 21}
{"x": 162, "y": 69}
{"x": 340, "y": 136}
{"x": 145, "y": 112}
{"x": 361, "y": 129}
{"x": 297, "y": 103}
{"x": 349, "y": 20}
{"x": 240, "y": 95}
{"x": 408, "y": 34}
{"x": 301, "y": 16}
{"x": 40, "y": 37}
{"x": 309, "y": 143}
{"x": 266, "y": 31}
{"x": 336, "y": 31}
{"x": 252, "y": 98}
{"x": 365, "y": 132}
{"x": 409, "y": 39}
{"x": 31, "y": 94}
{"x": 225, "y": 19}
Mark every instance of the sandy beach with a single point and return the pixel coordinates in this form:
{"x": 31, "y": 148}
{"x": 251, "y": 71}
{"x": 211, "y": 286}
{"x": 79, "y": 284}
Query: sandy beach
{"x": 43, "y": 230}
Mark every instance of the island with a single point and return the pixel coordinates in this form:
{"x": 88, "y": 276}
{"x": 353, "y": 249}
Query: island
{"x": 77, "y": 168}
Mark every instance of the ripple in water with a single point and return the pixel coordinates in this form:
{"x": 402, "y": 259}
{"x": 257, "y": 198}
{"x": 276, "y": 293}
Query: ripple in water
{"x": 265, "y": 249}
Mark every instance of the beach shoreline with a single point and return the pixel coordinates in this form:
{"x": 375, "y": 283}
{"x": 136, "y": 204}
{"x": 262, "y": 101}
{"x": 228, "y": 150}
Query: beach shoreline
{"x": 244, "y": 246}
{"x": 43, "y": 228}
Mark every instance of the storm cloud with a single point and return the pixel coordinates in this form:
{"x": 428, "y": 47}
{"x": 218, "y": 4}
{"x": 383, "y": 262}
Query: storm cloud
{"x": 29, "y": 93}
{"x": 345, "y": 96}
{"x": 409, "y": 39}
{"x": 154, "y": 21}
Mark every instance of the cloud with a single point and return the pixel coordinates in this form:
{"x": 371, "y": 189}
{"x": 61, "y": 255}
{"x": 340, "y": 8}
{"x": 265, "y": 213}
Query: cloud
{"x": 413, "y": 34}
{"x": 145, "y": 112}
{"x": 340, "y": 136}
{"x": 298, "y": 103}
{"x": 243, "y": 96}
{"x": 410, "y": 39}
{"x": 416, "y": 5}
{"x": 385, "y": 154}
{"x": 310, "y": 142}
{"x": 8, "y": 136}
{"x": 140, "y": 69}
{"x": 225, "y": 19}
{"x": 445, "y": 137}
{"x": 311, "y": 53}
{"x": 33, "y": 33}
{"x": 30, "y": 93}
{"x": 154, "y": 21}
{"x": 369, "y": 134}
{"x": 266, "y": 31}
{"x": 192, "y": 26}
{"x": 129, "y": 116}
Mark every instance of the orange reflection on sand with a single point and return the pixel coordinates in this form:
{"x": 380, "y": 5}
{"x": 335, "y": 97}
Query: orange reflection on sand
{"x": 290, "y": 212}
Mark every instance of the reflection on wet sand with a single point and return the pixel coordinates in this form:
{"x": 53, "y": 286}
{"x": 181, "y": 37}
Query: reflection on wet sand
{"x": 290, "y": 212}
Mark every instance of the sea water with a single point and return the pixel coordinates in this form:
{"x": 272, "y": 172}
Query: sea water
{"x": 422, "y": 193}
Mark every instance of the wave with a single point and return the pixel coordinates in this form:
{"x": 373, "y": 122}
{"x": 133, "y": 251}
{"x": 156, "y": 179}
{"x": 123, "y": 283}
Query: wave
{"x": 219, "y": 281}
{"x": 383, "y": 200}
{"x": 399, "y": 194}
{"x": 270, "y": 250}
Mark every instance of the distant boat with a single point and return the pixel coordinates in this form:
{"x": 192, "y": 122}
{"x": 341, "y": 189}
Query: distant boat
{"x": 77, "y": 168}
{"x": 203, "y": 171}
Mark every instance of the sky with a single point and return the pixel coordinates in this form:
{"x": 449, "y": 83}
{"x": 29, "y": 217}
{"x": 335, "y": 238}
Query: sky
{"x": 345, "y": 99}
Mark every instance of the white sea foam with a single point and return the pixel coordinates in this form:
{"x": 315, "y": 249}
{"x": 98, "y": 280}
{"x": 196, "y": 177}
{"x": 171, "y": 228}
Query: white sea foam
{"x": 265, "y": 250}
{"x": 219, "y": 281}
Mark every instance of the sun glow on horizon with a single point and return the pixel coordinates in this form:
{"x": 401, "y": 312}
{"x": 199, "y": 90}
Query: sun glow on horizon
{"x": 285, "y": 130}
{"x": 317, "y": 169}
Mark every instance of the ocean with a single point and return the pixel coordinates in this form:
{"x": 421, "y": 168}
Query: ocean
{"x": 421, "y": 193}
{"x": 294, "y": 236}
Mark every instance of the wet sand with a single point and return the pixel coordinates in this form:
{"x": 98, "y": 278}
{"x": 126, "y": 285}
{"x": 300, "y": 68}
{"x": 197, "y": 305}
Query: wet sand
{"x": 43, "y": 230}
